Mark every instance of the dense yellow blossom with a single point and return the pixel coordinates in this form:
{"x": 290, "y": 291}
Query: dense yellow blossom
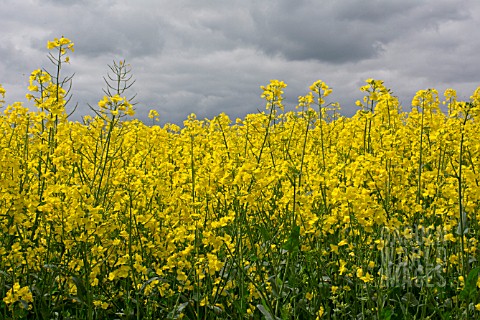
{"x": 17, "y": 293}
{"x": 255, "y": 216}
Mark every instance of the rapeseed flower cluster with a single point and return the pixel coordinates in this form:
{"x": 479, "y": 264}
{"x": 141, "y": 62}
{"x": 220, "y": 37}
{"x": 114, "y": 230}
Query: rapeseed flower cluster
{"x": 298, "y": 214}
{"x": 19, "y": 294}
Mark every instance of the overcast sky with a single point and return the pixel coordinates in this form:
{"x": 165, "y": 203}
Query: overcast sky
{"x": 211, "y": 56}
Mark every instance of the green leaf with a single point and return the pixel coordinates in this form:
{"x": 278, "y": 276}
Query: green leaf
{"x": 293, "y": 242}
{"x": 81, "y": 290}
{"x": 470, "y": 289}
{"x": 410, "y": 299}
{"x": 386, "y": 314}
{"x": 177, "y": 311}
{"x": 266, "y": 313}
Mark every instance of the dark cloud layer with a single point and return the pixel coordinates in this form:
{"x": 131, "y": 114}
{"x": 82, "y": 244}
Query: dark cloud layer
{"x": 209, "y": 57}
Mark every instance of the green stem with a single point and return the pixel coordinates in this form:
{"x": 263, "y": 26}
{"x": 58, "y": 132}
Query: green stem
{"x": 460, "y": 199}
{"x": 420, "y": 161}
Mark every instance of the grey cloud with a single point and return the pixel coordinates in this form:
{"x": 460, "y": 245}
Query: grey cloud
{"x": 340, "y": 32}
{"x": 116, "y": 31}
{"x": 376, "y": 11}
{"x": 211, "y": 56}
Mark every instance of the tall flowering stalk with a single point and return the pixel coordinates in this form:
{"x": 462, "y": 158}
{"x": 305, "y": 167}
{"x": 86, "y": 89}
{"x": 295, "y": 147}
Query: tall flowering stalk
{"x": 426, "y": 101}
{"x": 467, "y": 112}
{"x": 273, "y": 95}
{"x": 321, "y": 91}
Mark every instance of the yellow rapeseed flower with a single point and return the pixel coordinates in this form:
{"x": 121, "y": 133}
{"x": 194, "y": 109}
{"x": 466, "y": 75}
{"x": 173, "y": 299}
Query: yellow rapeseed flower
{"x": 2, "y": 93}
{"x": 17, "y": 293}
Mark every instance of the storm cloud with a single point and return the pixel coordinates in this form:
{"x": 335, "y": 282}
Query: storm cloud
{"x": 209, "y": 57}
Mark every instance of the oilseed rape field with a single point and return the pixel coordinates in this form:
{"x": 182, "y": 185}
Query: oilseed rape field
{"x": 303, "y": 214}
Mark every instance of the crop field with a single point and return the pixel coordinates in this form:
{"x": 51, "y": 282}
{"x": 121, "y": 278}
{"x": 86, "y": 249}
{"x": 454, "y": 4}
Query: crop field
{"x": 303, "y": 214}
